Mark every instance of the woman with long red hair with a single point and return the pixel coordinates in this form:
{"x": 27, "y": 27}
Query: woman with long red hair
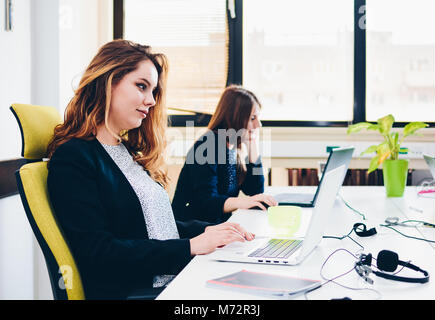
{"x": 106, "y": 179}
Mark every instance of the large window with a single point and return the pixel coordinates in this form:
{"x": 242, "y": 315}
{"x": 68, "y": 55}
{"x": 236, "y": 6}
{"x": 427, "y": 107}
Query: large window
{"x": 401, "y": 59}
{"x": 311, "y": 62}
{"x": 298, "y": 58}
{"x": 193, "y": 35}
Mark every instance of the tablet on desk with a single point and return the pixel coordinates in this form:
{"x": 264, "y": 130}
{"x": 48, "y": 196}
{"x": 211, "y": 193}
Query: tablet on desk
{"x": 265, "y": 284}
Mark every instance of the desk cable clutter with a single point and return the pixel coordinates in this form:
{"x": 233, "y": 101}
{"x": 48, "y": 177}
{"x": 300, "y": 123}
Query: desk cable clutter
{"x": 386, "y": 261}
{"x": 361, "y": 230}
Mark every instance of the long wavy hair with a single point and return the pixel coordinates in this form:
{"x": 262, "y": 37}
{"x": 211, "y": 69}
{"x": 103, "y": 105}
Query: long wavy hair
{"x": 233, "y": 112}
{"x": 89, "y": 108}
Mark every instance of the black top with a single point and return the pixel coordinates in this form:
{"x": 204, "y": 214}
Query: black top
{"x": 209, "y": 177}
{"x": 103, "y": 223}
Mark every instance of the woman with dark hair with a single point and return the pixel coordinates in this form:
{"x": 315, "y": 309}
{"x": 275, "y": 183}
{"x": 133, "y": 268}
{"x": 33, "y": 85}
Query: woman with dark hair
{"x": 223, "y": 162}
{"x": 106, "y": 179}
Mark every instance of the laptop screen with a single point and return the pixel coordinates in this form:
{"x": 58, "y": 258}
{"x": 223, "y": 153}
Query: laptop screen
{"x": 337, "y": 158}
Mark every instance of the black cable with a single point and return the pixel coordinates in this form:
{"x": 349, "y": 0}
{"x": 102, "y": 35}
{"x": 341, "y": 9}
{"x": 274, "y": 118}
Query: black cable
{"x": 383, "y": 225}
{"x": 343, "y": 237}
{"x": 341, "y": 275}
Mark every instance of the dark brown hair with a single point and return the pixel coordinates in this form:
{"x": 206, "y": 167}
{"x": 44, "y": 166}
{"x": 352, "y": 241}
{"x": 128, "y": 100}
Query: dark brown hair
{"x": 233, "y": 112}
{"x": 234, "y": 109}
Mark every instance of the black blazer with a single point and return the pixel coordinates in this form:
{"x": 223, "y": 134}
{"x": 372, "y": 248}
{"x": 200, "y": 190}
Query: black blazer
{"x": 103, "y": 222}
{"x": 203, "y": 184}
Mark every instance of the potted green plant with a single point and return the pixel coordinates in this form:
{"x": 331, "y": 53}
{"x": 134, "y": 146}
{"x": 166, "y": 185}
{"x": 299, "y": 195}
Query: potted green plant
{"x": 387, "y": 152}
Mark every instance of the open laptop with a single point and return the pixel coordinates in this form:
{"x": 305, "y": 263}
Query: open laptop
{"x": 431, "y": 163}
{"x": 290, "y": 251}
{"x": 337, "y": 158}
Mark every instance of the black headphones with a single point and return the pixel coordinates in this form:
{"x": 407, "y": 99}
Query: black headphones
{"x": 361, "y": 230}
{"x": 387, "y": 261}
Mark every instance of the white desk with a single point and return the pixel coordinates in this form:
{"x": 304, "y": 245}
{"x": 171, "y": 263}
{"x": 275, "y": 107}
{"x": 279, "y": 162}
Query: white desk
{"x": 190, "y": 284}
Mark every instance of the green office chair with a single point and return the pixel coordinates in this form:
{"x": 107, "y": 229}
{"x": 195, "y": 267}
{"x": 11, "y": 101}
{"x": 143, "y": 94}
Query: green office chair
{"x": 37, "y": 126}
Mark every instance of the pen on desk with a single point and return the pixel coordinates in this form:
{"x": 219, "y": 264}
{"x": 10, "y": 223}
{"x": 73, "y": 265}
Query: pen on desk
{"x": 427, "y": 191}
{"x": 416, "y": 209}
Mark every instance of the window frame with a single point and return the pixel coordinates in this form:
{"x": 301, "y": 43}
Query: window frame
{"x": 235, "y": 69}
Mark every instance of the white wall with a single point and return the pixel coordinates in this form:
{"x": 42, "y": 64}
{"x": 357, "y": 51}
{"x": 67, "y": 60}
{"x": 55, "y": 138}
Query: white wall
{"x": 81, "y": 34}
{"x": 16, "y": 242}
{"x": 45, "y": 52}
{"x": 15, "y": 75}
{"x": 51, "y": 43}
{"x": 16, "y": 252}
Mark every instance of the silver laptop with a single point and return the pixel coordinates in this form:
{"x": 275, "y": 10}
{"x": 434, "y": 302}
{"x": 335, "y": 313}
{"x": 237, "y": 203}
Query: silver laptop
{"x": 431, "y": 163}
{"x": 290, "y": 251}
{"x": 337, "y": 158}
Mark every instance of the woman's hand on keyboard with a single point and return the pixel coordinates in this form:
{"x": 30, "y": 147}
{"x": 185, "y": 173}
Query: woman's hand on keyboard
{"x": 217, "y": 236}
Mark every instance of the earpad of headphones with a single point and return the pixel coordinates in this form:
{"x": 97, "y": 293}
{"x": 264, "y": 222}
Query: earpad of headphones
{"x": 361, "y": 230}
{"x": 387, "y": 260}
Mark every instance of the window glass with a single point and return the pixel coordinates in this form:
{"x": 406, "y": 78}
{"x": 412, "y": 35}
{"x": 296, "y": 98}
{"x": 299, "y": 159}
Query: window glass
{"x": 193, "y": 35}
{"x": 400, "y": 60}
{"x": 298, "y": 58}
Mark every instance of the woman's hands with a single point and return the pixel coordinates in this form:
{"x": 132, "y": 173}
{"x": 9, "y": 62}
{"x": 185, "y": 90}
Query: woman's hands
{"x": 258, "y": 200}
{"x": 218, "y": 236}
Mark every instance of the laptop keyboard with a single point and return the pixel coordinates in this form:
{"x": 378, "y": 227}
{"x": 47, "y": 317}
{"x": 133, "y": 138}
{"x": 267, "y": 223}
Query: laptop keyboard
{"x": 277, "y": 248}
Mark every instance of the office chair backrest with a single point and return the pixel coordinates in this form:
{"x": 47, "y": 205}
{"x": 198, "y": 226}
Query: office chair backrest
{"x": 37, "y": 124}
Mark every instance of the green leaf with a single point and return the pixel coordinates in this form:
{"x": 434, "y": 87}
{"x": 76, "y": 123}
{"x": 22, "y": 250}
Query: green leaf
{"x": 382, "y": 148}
{"x": 389, "y": 148}
{"x": 384, "y": 156}
{"x": 374, "y": 164}
{"x": 385, "y": 124}
{"x": 370, "y": 149}
{"x": 396, "y": 146}
{"x": 383, "y": 152}
{"x": 412, "y": 127}
{"x": 395, "y": 139}
{"x": 357, "y": 127}
{"x": 373, "y": 127}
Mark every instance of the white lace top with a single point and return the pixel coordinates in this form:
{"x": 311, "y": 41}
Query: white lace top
{"x": 154, "y": 200}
